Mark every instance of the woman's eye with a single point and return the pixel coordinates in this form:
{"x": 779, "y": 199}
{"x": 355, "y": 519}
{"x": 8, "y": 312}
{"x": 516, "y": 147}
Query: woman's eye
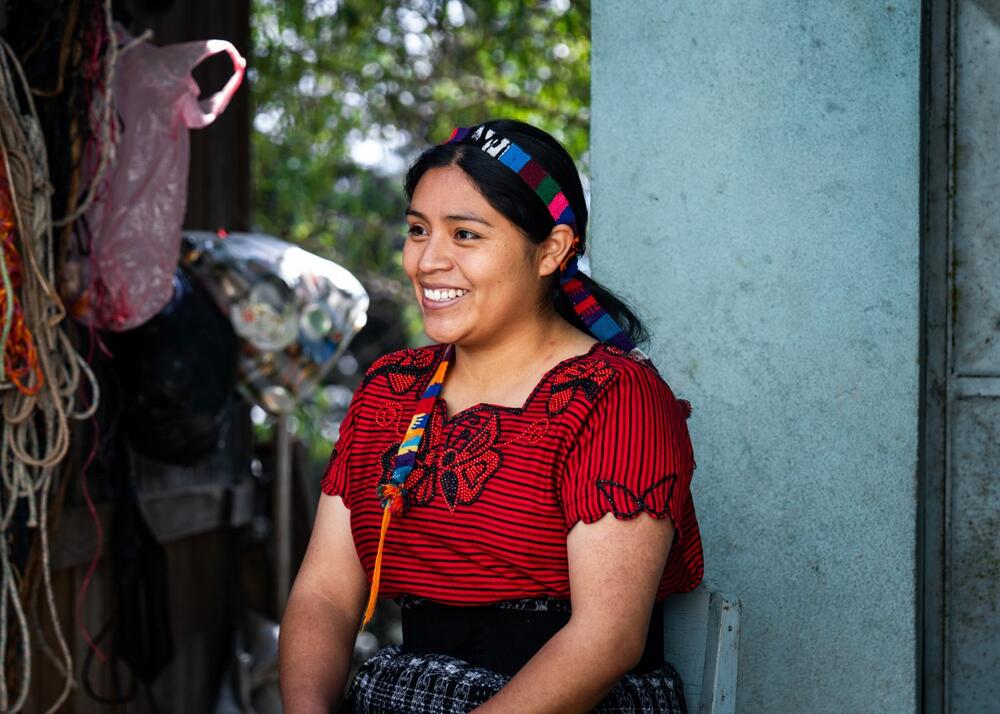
{"x": 466, "y": 235}
{"x": 415, "y": 230}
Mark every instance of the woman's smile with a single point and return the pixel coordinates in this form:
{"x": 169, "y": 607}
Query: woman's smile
{"x": 440, "y": 299}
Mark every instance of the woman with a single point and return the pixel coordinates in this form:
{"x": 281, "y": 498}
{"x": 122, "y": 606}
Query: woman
{"x": 495, "y": 483}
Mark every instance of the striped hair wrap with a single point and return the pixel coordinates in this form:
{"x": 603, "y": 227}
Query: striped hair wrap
{"x": 393, "y": 495}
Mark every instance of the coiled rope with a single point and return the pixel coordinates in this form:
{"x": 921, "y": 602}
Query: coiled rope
{"x": 41, "y": 380}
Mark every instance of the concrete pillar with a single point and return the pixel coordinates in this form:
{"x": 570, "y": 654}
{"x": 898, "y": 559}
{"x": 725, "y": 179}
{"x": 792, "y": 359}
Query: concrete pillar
{"x": 756, "y": 192}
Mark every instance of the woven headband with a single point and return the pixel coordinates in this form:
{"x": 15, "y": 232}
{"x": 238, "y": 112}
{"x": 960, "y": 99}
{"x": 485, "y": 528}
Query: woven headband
{"x": 393, "y": 495}
{"x": 520, "y": 162}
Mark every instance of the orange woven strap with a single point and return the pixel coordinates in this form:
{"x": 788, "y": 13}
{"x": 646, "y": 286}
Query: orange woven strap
{"x": 373, "y": 595}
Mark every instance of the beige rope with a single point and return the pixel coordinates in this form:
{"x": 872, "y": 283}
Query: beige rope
{"x": 35, "y": 436}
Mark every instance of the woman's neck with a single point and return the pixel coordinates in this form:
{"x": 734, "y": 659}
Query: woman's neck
{"x": 516, "y": 358}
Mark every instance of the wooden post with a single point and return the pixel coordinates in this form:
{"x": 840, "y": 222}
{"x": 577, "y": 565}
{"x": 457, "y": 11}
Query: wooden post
{"x": 282, "y": 513}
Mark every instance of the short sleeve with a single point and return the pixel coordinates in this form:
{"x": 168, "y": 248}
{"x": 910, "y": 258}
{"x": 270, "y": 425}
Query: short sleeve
{"x": 633, "y": 454}
{"x": 336, "y": 476}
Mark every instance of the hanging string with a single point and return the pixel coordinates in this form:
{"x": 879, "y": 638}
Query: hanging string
{"x": 95, "y": 560}
{"x": 100, "y": 67}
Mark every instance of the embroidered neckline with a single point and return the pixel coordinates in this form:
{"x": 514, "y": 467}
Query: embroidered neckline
{"x": 442, "y": 403}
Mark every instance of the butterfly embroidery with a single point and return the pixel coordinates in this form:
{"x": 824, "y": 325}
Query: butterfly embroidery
{"x": 585, "y": 376}
{"x": 626, "y": 504}
{"x": 403, "y": 368}
{"x": 459, "y": 467}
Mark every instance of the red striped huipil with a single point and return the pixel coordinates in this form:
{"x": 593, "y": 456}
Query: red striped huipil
{"x": 495, "y": 489}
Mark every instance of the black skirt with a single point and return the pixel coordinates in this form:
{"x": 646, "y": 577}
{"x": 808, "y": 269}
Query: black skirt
{"x": 455, "y": 658}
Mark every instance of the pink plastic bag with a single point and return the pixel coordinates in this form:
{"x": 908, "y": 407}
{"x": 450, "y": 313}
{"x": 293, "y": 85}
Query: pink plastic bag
{"x": 126, "y": 277}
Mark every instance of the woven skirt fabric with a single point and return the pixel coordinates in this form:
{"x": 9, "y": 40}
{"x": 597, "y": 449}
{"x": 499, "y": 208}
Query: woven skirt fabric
{"x": 398, "y": 682}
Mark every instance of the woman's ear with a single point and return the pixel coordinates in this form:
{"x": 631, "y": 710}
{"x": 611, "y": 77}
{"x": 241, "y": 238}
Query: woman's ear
{"x": 555, "y": 249}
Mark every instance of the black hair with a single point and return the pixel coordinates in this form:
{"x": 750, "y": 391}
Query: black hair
{"x": 511, "y": 196}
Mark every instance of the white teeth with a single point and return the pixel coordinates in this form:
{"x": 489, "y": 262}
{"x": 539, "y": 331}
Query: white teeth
{"x": 442, "y": 295}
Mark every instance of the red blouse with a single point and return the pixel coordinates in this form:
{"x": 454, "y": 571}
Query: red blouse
{"x": 495, "y": 490}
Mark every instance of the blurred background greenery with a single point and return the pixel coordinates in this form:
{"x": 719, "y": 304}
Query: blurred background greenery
{"x": 346, "y": 93}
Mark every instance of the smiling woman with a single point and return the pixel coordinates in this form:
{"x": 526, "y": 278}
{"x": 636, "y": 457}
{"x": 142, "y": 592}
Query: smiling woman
{"x": 512, "y": 462}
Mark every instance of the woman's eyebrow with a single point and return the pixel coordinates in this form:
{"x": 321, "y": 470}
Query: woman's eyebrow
{"x": 468, "y": 217}
{"x": 453, "y": 217}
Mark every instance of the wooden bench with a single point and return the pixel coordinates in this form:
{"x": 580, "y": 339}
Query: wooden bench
{"x": 701, "y": 631}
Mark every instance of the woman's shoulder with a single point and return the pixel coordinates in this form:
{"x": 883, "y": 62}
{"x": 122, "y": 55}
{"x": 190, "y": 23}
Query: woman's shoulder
{"x": 404, "y": 370}
{"x": 637, "y": 378}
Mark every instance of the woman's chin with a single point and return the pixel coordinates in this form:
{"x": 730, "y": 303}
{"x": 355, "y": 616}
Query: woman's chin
{"x": 442, "y": 334}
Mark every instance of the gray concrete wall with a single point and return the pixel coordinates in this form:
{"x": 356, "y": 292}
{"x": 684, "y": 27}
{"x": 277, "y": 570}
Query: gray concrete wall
{"x": 755, "y": 178}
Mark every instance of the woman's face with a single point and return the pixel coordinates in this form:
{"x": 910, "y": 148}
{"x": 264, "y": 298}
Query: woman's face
{"x": 475, "y": 275}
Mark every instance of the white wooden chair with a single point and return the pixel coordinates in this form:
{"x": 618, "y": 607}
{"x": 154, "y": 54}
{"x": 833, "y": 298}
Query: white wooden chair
{"x": 701, "y": 631}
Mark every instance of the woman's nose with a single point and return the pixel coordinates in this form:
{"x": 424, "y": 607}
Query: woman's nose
{"x": 435, "y": 255}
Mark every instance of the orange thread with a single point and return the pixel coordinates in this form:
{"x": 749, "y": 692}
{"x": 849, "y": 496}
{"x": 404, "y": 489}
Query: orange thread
{"x": 376, "y": 576}
{"x": 392, "y": 496}
{"x": 20, "y": 357}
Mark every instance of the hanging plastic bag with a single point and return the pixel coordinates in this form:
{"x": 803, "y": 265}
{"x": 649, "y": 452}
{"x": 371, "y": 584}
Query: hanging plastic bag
{"x": 123, "y": 275}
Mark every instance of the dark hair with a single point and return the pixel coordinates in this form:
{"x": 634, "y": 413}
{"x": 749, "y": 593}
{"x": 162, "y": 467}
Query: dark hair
{"x": 511, "y": 196}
